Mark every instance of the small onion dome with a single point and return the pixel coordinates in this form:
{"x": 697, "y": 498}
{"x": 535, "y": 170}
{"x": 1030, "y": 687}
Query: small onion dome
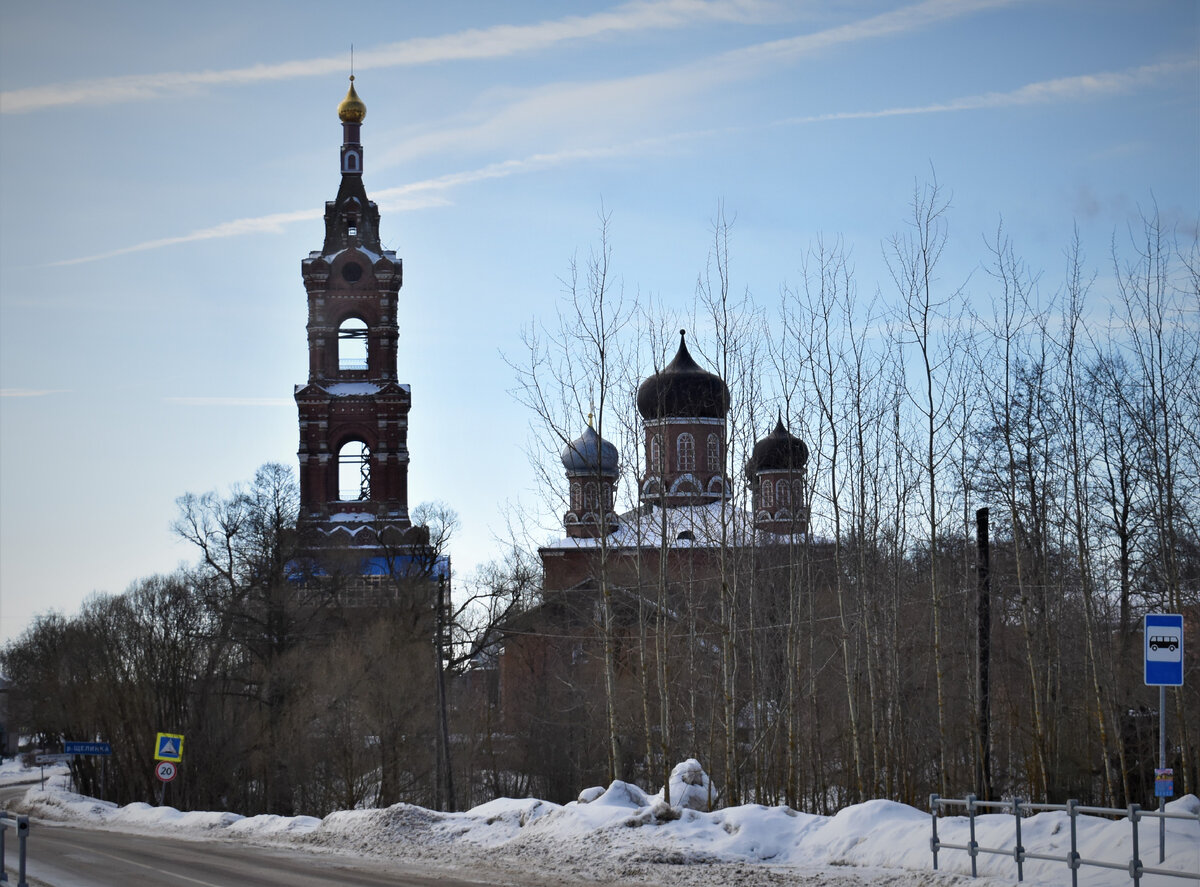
{"x": 352, "y": 109}
{"x": 779, "y": 450}
{"x": 590, "y": 454}
{"x": 683, "y": 389}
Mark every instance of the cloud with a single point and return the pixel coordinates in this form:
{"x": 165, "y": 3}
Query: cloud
{"x": 31, "y": 392}
{"x": 477, "y": 43}
{"x": 231, "y": 401}
{"x": 424, "y": 194}
{"x": 430, "y": 193}
{"x": 571, "y": 110}
{"x": 1083, "y": 87}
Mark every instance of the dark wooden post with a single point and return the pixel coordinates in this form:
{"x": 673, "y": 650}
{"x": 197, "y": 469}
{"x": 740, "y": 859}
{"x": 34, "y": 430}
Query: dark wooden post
{"x": 983, "y": 760}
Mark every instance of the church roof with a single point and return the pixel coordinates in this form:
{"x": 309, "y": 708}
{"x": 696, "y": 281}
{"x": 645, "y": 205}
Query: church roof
{"x": 683, "y": 389}
{"x": 352, "y": 109}
{"x": 779, "y": 450}
{"x": 686, "y": 526}
{"x": 590, "y": 454}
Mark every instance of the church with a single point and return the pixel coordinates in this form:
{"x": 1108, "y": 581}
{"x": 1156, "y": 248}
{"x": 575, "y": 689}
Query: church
{"x": 623, "y": 641}
{"x": 630, "y": 602}
{"x": 353, "y": 411}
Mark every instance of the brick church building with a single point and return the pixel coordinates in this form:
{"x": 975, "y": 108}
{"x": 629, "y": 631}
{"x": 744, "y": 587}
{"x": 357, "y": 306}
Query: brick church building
{"x": 633, "y": 581}
{"x": 353, "y": 410}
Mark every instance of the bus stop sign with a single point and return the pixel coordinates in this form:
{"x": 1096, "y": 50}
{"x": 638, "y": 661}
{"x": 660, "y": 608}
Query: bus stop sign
{"x": 1164, "y": 649}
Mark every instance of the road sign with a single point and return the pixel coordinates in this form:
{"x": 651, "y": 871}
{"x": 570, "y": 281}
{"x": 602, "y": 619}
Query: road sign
{"x": 52, "y": 759}
{"x": 165, "y": 771}
{"x": 87, "y": 748}
{"x": 168, "y": 747}
{"x": 1164, "y": 649}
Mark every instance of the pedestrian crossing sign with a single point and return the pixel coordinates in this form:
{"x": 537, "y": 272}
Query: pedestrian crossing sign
{"x": 168, "y": 747}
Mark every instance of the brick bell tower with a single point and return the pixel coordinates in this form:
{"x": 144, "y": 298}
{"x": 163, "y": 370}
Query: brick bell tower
{"x": 353, "y": 413}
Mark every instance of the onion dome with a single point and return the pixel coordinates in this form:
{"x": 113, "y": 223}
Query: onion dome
{"x": 683, "y": 389}
{"x": 590, "y": 454}
{"x": 352, "y": 109}
{"x": 779, "y": 450}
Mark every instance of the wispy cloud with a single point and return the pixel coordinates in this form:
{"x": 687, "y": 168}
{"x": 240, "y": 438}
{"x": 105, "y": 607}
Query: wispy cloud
{"x": 1083, "y": 87}
{"x": 30, "y": 392}
{"x": 231, "y": 401}
{"x": 433, "y": 192}
{"x": 568, "y": 111}
{"x": 477, "y": 43}
{"x": 403, "y": 198}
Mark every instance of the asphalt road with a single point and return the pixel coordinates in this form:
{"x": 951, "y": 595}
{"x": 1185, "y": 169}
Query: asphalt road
{"x": 72, "y": 857}
{"x": 68, "y": 856}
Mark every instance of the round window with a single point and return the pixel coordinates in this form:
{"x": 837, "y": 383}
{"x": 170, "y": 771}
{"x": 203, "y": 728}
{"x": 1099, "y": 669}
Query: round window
{"x": 352, "y": 271}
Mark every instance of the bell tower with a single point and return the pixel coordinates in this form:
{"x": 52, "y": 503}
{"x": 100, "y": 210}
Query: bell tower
{"x": 353, "y": 413}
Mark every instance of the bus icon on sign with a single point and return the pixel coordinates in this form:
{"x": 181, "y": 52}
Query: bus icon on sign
{"x": 1164, "y": 642}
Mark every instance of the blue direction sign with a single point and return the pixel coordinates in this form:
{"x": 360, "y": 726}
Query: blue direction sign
{"x": 1164, "y": 650}
{"x": 87, "y": 748}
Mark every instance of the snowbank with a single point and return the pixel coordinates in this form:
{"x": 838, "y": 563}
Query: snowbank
{"x": 621, "y": 832}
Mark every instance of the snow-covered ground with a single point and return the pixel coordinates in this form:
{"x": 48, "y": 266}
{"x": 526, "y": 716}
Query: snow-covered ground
{"x": 621, "y": 834}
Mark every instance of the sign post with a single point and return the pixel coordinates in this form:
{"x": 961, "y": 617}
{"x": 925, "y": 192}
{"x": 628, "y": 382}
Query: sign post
{"x": 1163, "y": 668}
{"x": 168, "y": 751}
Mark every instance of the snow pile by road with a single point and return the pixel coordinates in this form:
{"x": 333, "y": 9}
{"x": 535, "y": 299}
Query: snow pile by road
{"x": 621, "y": 833}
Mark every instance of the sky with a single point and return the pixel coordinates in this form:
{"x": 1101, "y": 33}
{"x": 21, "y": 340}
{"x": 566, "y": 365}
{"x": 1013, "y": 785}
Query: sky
{"x": 163, "y": 172}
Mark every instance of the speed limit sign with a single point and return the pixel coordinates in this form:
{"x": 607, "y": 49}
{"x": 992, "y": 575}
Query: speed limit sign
{"x": 165, "y": 771}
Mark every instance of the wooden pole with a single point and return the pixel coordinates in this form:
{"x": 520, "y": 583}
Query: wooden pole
{"x": 983, "y": 760}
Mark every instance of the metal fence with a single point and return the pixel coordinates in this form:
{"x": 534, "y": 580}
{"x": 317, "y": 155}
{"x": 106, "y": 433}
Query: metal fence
{"x": 21, "y": 824}
{"x": 1073, "y": 860}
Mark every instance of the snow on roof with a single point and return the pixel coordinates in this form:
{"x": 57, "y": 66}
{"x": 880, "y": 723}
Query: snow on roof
{"x": 349, "y": 389}
{"x": 686, "y": 526}
{"x": 370, "y": 254}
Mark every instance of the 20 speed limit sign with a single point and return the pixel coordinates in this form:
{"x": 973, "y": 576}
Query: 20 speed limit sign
{"x": 166, "y": 771}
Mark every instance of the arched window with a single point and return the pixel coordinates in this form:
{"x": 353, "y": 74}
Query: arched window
{"x": 590, "y": 499}
{"x": 714, "y": 453}
{"x": 354, "y": 472}
{"x": 576, "y": 496}
{"x": 783, "y": 492}
{"x": 767, "y": 495}
{"x": 798, "y": 494}
{"x": 685, "y": 449}
{"x": 656, "y": 448}
{"x": 352, "y": 344}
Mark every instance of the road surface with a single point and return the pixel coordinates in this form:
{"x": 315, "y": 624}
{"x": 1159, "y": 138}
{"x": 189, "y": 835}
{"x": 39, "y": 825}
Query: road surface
{"x": 61, "y": 855}
{"x": 67, "y": 856}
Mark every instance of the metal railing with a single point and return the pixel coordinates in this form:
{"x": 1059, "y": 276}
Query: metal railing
{"x": 21, "y": 824}
{"x": 1073, "y": 860}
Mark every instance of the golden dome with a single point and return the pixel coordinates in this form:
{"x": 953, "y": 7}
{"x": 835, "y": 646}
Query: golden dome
{"x": 352, "y": 109}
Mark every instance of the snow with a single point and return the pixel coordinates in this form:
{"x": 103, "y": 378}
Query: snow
{"x": 353, "y": 517}
{"x": 645, "y": 528}
{"x": 622, "y": 833}
{"x": 351, "y": 389}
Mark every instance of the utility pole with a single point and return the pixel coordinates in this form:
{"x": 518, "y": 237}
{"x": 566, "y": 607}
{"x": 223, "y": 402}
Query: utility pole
{"x": 983, "y": 759}
{"x": 445, "y": 772}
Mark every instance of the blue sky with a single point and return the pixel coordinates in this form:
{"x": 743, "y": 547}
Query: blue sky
{"x": 163, "y": 171}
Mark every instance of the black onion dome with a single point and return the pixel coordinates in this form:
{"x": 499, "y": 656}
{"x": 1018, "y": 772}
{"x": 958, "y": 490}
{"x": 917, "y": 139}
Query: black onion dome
{"x": 683, "y": 389}
{"x": 778, "y": 450}
{"x": 590, "y": 454}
